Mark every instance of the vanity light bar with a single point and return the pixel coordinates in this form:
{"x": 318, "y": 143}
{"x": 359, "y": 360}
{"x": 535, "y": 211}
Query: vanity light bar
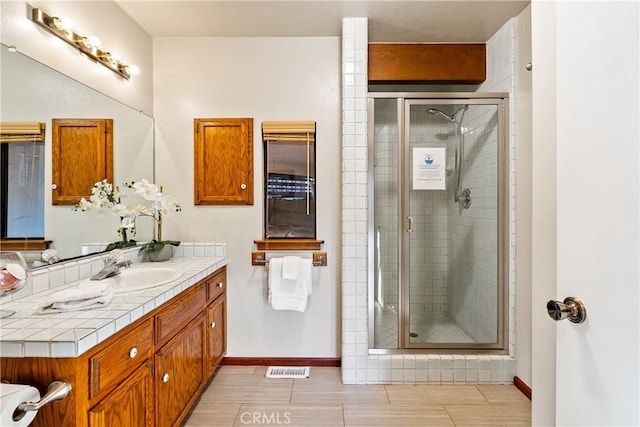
{"x": 84, "y": 44}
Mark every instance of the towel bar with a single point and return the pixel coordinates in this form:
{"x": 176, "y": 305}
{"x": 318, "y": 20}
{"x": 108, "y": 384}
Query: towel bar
{"x": 318, "y": 259}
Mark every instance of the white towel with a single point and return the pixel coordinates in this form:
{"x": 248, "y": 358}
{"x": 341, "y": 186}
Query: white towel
{"x": 92, "y": 294}
{"x": 286, "y": 294}
{"x": 290, "y": 265}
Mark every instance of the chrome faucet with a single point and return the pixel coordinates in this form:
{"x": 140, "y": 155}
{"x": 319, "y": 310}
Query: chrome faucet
{"x": 112, "y": 266}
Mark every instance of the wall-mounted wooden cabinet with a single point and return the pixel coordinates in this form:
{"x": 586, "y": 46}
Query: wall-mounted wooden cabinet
{"x": 82, "y": 154}
{"x": 223, "y": 164}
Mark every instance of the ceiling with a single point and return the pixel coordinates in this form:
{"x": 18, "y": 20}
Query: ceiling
{"x": 389, "y": 20}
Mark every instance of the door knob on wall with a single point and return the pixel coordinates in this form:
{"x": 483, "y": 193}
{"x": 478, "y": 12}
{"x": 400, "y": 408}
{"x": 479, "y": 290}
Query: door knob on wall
{"x": 571, "y": 308}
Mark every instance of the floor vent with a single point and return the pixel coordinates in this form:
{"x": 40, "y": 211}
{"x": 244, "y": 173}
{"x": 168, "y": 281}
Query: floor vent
{"x": 287, "y": 372}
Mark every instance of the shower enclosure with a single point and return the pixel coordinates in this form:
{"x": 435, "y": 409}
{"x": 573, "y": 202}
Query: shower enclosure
{"x": 438, "y": 221}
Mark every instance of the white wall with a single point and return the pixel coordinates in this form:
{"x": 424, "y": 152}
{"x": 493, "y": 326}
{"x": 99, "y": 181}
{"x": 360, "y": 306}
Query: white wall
{"x": 104, "y": 19}
{"x": 522, "y": 174}
{"x": 267, "y": 79}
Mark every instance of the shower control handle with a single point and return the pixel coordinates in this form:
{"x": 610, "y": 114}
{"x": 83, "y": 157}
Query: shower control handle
{"x": 571, "y": 308}
{"x": 410, "y": 229}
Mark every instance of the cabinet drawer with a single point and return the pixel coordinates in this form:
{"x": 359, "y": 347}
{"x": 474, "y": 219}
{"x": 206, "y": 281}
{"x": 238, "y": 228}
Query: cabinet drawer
{"x": 180, "y": 311}
{"x": 113, "y": 363}
{"x": 216, "y": 284}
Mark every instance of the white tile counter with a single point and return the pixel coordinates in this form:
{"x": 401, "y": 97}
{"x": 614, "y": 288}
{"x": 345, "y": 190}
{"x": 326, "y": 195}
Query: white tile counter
{"x": 70, "y": 334}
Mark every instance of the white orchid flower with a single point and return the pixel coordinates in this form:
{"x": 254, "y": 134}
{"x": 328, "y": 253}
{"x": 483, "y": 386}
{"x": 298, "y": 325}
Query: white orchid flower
{"x": 147, "y": 190}
{"x": 106, "y": 197}
{"x": 128, "y": 222}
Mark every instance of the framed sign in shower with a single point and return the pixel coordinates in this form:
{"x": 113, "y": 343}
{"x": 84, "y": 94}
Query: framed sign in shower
{"x": 290, "y": 179}
{"x": 429, "y": 168}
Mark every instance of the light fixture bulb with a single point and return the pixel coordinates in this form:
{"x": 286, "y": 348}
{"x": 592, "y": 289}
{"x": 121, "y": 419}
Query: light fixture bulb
{"x": 95, "y": 41}
{"x": 64, "y": 23}
{"x": 134, "y": 70}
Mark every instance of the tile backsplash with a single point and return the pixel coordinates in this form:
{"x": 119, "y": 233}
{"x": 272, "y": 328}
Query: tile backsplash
{"x": 65, "y": 272}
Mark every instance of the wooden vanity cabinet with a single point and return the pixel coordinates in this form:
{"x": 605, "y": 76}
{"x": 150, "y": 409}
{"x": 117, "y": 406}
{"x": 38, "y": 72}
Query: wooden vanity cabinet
{"x": 180, "y": 355}
{"x": 148, "y": 374}
{"x": 216, "y": 334}
{"x": 128, "y": 404}
{"x": 216, "y": 319}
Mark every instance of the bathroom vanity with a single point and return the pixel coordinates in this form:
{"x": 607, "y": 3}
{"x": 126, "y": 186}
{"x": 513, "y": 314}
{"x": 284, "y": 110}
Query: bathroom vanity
{"x": 146, "y": 372}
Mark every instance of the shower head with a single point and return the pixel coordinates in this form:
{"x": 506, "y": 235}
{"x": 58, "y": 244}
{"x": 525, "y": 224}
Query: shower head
{"x": 442, "y": 114}
{"x": 451, "y": 119}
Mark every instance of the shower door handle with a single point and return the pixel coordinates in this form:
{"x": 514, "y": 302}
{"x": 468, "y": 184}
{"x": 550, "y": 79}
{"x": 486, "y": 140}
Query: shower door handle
{"x": 410, "y": 229}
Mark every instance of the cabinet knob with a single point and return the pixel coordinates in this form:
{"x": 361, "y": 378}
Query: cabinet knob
{"x": 220, "y": 284}
{"x": 243, "y": 186}
{"x": 133, "y": 352}
{"x": 165, "y": 378}
{"x": 54, "y": 186}
{"x": 213, "y": 325}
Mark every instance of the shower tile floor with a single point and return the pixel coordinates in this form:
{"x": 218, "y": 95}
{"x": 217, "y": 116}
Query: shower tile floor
{"x": 429, "y": 329}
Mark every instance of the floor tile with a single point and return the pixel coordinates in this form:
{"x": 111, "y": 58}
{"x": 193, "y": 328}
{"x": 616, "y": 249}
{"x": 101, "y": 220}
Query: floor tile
{"x": 502, "y": 394}
{"x": 368, "y": 415}
{"x": 427, "y": 394}
{"x": 208, "y": 414}
{"x": 328, "y": 389}
{"x": 508, "y": 414}
{"x": 232, "y": 369}
{"x": 290, "y": 415}
{"x": 242, "y": 396}
{"x": 248, "y": 388}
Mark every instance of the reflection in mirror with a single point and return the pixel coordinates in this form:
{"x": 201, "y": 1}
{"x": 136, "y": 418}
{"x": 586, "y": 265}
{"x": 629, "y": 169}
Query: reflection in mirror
{"x": 22, "y": 181}
{"x": 290, "y": 180}
{"x": 34, "y": 92}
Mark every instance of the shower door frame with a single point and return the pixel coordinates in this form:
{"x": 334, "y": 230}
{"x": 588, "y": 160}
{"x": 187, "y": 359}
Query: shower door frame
{"x": 501, "y": 100}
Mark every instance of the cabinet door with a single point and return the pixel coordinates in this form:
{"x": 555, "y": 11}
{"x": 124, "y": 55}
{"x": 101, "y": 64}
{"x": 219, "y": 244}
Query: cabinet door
{"x": 223, "y": 164}
{"x": 130, "y": 404}
{"x": 82, "y": 154}
{"x": 180, "y": 373}
{"x": 216, "y": 334}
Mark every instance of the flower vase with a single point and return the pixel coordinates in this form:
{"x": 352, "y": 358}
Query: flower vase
{"x": 163, "y": 254}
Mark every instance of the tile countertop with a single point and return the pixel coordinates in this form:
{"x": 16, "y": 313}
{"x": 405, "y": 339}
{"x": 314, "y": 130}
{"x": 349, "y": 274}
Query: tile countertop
{"x": 29, "y": 334}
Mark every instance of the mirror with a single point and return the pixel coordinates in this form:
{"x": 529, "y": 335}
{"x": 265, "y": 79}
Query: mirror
{"x": 34, "y": 92}
{"x": 290, "y": 179}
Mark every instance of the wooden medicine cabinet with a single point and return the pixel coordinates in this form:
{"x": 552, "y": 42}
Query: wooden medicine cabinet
{"x": 223, "y": 163}
{"x": 82, "y": 154}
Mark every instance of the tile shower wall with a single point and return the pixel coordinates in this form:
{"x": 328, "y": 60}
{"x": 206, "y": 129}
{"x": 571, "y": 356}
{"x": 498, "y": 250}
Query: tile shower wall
{"x": 472, "y": 290}
{"x": 386, "y": 202}
{"x": 358, "y": 366}
{"x": 501, "y": 71}
{"x": 429, "y": 240}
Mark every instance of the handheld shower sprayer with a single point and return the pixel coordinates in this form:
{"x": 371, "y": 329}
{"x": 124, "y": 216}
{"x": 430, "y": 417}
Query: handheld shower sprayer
{"x": 459, "y": 150}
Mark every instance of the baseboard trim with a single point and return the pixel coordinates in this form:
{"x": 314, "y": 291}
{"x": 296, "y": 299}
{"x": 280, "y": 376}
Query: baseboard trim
{"x": 282, "y": 361}
{"x": 522, "y": 386}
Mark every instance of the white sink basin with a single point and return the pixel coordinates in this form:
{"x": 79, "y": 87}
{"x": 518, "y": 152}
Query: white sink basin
{"x": 136, "y": 279}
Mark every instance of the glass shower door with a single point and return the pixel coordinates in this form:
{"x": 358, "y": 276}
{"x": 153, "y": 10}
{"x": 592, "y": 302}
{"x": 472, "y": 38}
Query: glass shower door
{"x": 385, "y": 240}
{"x": 452, "y": 291}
